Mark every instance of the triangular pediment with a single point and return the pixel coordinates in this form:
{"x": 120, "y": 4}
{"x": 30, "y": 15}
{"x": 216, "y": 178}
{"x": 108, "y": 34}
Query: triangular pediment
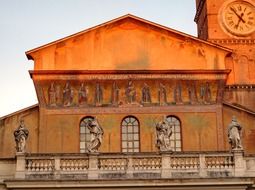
{"x": 129, "y": 43}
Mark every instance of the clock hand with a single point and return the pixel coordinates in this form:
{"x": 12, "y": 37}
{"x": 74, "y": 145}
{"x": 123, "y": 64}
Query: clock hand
{"x": 236, "y": 26}
{"x": 239, "y": 20}
{"x": 240, "y": 17}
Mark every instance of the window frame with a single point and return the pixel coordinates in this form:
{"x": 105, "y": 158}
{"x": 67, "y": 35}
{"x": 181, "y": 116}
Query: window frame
{"x": 133, "y": 141}
{"x": 174, "y": 140}
{"x": 86, "y": 140}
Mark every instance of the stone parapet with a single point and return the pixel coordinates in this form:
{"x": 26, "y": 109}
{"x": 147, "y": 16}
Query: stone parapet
{"x": 129, "y": 166}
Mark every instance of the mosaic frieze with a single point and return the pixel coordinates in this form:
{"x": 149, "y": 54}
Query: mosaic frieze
{"x": 131, "y": 93}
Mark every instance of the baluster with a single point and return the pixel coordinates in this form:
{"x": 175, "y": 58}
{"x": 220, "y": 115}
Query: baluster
{"x": 29, "y": 165}
{"x": 33, "y": 167}
{"x": 64, "y": 165}
{"x": 43, "y": 165}
{"x": 217, "y": 162}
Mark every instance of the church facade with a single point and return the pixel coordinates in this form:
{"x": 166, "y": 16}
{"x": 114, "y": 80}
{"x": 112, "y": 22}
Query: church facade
{"x": 133, "y": 104}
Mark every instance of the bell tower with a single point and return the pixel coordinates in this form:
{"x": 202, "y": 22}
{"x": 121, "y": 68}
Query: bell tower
{"x": 231, "y": 23}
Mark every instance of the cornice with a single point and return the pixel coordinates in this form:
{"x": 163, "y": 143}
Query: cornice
{"x": 129, "y": 74}
{"x": 240, "y": 87}
{"x": 87, "y": 72}
{"x": 233, "y": 41}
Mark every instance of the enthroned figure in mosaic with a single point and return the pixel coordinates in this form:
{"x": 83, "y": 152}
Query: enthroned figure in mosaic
{"x": 178, "y": 93}
{"x": 130, "y": 93}
{"x": 98, "y": 95}
{"x": 205, "y": 93}
{"x": 162, "y": 95}
{"x": 21, "y": 135}
{"x": 234, "y": 134}
{"x": 96, "y": 135}
{"x": 146, "y": 94}
{"x": 115, "y": 94}
{"x": 52, "y": 95}
{"x": 83, "y": 95}
{"x": 163, "y": 134}
{"x": 192, "y": 92}
{"x": 67, "y": 95}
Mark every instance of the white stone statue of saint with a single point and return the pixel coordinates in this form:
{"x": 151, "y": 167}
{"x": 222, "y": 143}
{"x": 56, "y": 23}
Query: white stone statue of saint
{"x": 21, "y": 135}
{"x": 96, "y": 135}
{"x": 163, "y": 133}
{"x": 234, "y": 134}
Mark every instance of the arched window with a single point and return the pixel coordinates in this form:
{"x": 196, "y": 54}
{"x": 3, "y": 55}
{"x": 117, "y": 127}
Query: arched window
{"x": 175, "y": 138}
{"x": 130, "y": 135}
{"x": 84, "y": 134}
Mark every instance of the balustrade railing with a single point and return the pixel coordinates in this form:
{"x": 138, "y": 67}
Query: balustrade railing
{"x": 74, "y": 164}
{"x": 219, "y": 161}
{"x": 112, "y": 164}
{"x": 146, "y": 163}
{"x": 40, "y": 165}
{"x": 186, "y": 162}
{"x": 97, "y": 165}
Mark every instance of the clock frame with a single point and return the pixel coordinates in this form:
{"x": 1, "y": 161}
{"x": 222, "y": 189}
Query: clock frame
{"x": 238, "y": 17}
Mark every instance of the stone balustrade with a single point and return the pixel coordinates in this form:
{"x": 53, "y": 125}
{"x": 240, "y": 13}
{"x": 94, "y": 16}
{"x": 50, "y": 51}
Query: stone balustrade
{"x": 139, "y": 165}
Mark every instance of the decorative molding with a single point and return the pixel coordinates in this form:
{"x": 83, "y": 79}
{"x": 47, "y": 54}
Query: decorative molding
{"x": 240, "y": 87}
{"x": 89, "y": 72}
{"x": 233, "y": 41}
{"x": 127, "y": 75}
{"x": 136, "y": 110}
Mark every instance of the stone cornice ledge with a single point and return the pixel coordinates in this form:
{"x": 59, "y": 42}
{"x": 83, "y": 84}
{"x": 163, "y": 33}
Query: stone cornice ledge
{"x": 232, "y": 183}
{"x": 198, "y": 71}
{"x": 128, "y": 74}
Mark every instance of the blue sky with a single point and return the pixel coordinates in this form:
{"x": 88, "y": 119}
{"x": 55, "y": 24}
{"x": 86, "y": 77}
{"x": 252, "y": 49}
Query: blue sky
{"x": 26, "y": 24}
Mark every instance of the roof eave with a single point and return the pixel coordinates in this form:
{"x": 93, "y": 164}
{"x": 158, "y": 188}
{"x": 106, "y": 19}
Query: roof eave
{"x": 28, "y": 53}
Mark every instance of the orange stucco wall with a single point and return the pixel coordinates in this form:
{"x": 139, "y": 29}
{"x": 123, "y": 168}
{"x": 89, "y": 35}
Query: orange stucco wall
{"x": 129, "y": 44}
{"x": 247, "y": 121}
{"x": 9, "y": 124}
{"x": 60, "y": 133}
{"x": 199, "y": 132}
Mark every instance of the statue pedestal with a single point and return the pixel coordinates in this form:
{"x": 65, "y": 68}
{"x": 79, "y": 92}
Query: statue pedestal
{"x": 166, "y": 170}
{"x": 93, "y": 166}
{"x": 240, "y": 164}
{"x": 20, "y": 165}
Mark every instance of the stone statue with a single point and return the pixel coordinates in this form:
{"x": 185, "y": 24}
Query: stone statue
{"x": 130, "y": 93}
{"x": 98, "y": 95}
{"x": 67, "y": 95}
{"x": 192, "y": 93}
{"x": 21, "y": 135}
{"x": 146, "y": 95}
{"x": 163, "y": 133}
{"x": 205, "y": 93}
{"x": 115, "y": 94}
{"x": 234, "y": 133}
{"x": 178, "y": 94}
{"x": 83, "y": 95}
{"x": 162, "y": 94}
{"x": 96, "y": 135}
{"x": 52, "y": 95}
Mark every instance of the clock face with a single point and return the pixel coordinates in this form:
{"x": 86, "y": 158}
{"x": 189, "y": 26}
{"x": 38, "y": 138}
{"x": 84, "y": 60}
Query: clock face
{"x": 239, "y": 18}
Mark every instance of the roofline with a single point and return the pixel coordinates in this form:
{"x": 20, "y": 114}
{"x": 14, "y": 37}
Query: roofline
{"x": 120, "y": 18}
{"x": 19, "y": 111}
{"x": 239, "y": 108}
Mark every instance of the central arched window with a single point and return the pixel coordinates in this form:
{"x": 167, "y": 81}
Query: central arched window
{"x": 175, "y": 139}
{"x": 84, "y": 134}
{"x": 130, "y": 135}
